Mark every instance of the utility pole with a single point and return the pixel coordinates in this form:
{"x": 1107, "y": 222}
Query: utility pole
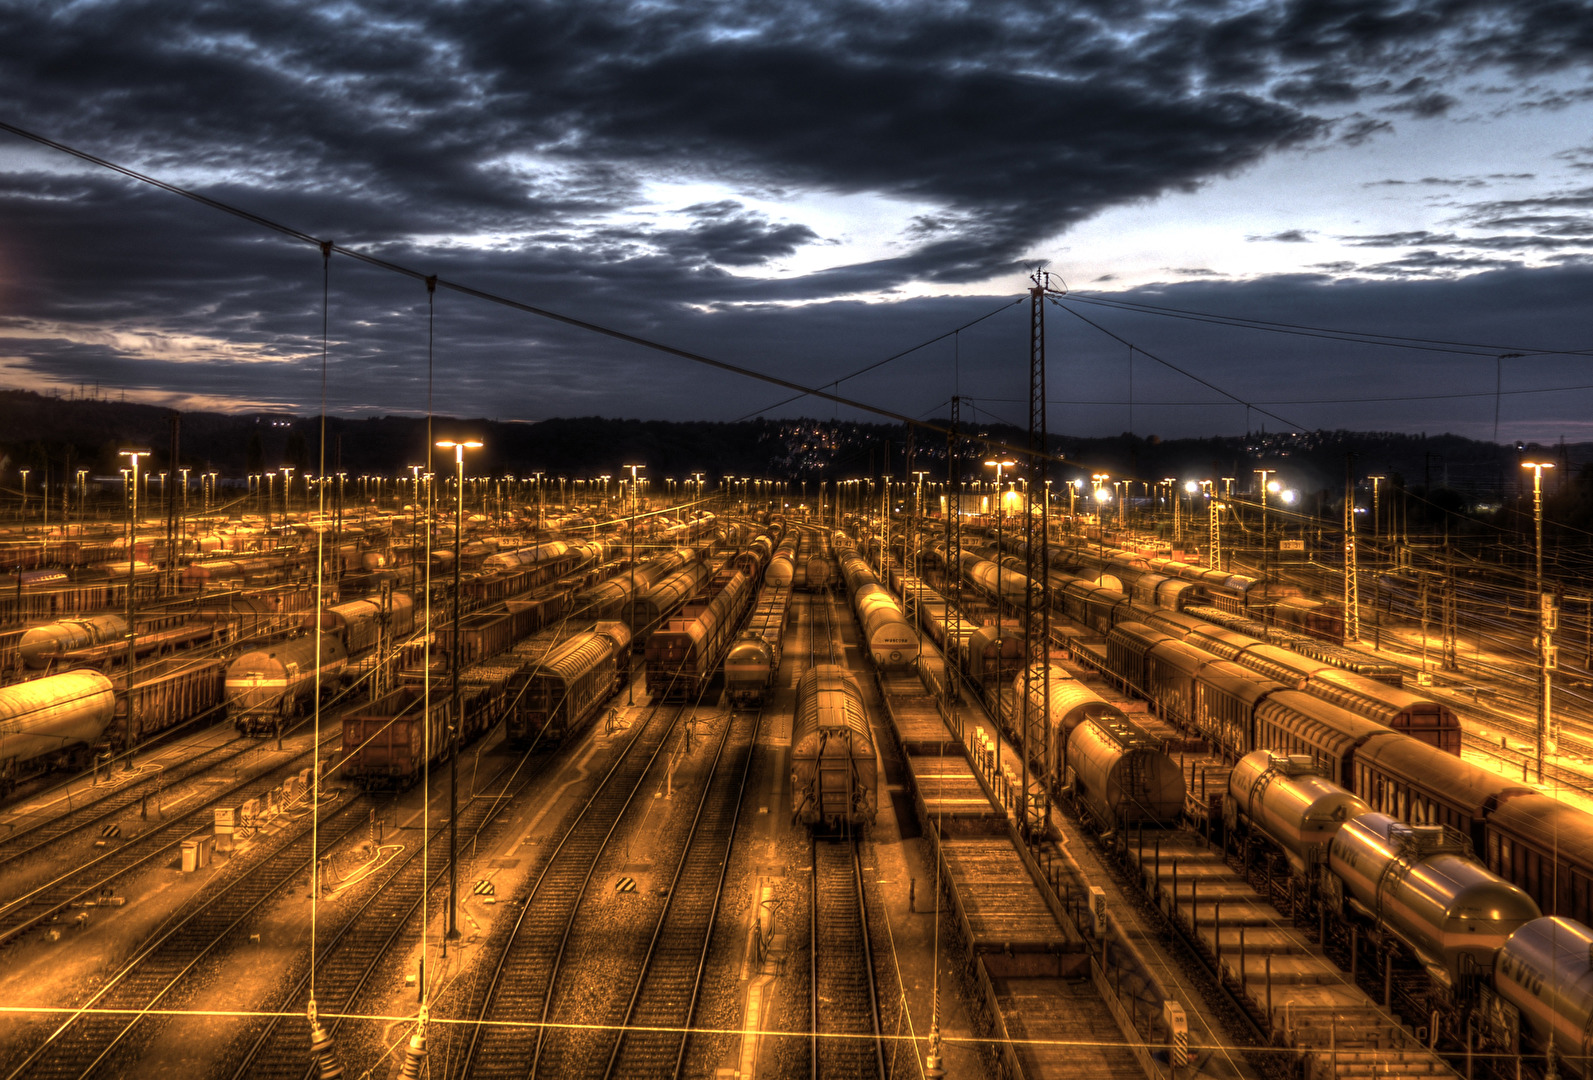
{"x": 1214, "y": 523}
{"x": 455, "y": 716}
{"x": 1266, "y": 558}
{"x": 132, "y": 536}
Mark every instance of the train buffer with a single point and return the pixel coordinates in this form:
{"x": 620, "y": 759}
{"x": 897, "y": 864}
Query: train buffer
{"x": 625, "y": 884}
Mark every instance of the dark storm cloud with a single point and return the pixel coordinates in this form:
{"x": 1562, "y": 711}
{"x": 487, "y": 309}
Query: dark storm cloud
{"x": 512, "y": 146}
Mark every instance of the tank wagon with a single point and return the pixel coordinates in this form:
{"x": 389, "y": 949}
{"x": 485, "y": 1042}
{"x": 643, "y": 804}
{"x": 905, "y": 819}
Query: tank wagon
{"x": 818, "y": 565}
{"x": 683, "y": 655}
{"x": 834, "y": 769}
{"x": 754, "y": 657}
{"x": 992, "y": 579}
{"x": 887, "y": 634}
{"x": 42, "y": 645}
{"x": 782, "y": 567}
{"x": 271, "y": 685}
{"x": 557, "y": 695}
{"x": 53, "y": 722}
{"x": 1472, "y": 933}
{"x": 1121, "y": 775}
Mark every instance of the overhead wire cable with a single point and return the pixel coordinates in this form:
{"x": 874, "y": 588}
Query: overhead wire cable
{"x": 517, "y": 305}
{"x": 952, "y": 333}
{"x": 1174, "y": 367}
{"x": 1479, "y": 349}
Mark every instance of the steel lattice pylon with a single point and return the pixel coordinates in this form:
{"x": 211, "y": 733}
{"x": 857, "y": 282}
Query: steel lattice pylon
{"x": 1037, "y": 566}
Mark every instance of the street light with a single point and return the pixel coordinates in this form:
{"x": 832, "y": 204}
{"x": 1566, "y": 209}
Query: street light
{"x": 630, "y": 684}
{"x": 1265, "y": 487}
{"x": 1000, "y": 465}
{"x": 1546, "y": 614}
{"x": 132, "y": 516}
{"x": 459, "y": 449}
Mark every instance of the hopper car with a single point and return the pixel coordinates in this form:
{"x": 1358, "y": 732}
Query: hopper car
{"x": 834, "y": 767}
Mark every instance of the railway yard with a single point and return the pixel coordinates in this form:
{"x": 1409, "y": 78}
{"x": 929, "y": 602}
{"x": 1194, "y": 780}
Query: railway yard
{"x": 764, "y": 791}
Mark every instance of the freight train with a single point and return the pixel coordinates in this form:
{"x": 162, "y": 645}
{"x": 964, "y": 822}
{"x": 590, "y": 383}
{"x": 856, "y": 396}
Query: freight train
{"x": 684, "y": 654}
{"x": 62, "y": 721}
{"x": 1492, "y": 961}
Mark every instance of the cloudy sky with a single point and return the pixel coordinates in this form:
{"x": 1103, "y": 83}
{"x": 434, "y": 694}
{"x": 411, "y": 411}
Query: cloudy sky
{"x": 806, "y": 188}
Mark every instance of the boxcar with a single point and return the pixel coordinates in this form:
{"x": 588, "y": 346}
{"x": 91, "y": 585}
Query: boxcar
{"x": 556, "y": 696}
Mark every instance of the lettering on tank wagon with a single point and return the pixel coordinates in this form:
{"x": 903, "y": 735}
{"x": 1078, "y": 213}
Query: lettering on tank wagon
{"x": 1529, "y": 977}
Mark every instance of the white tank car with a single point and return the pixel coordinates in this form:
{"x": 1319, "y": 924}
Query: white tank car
{"x": 1421, "y": 883}
{"x": 56, "y": 718}
{"x": 42, "y": 644}
{"x": 268, "y": 685}
{"x": 1071, "y": 704}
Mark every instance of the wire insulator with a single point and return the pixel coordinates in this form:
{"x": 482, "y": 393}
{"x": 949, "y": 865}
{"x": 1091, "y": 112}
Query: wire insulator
{"x": 414, "y": 1056}
{"x": 323, "y": 1055}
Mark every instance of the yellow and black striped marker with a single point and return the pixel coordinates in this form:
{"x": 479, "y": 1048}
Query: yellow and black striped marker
{"x": 111, "y": 832}
{"x": 486, "y": 888}
{"x": 625, "y": 884}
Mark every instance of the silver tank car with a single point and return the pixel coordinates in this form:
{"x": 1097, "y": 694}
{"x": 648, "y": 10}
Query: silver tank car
{"x": 782, "y": 568}
{"x": 1071, "y": 704}
{"x": 268, "y": 685}
{"x": 1284, "y": 798}
{"x": 1545, "y": 970}
{"x": 58, "y": 716}
{"x": 1123, "y": 776}
{"x": 834, "y": 771}
{"x": 887, "y": 634}
{"x": 1421, "y": 883}
{"x": 749, "y": 666}
{"x": 42, "y": 644}
{"x": 528, "y": 556}
{"x": 983, "y": 574}
{"x": 358, "y": 622}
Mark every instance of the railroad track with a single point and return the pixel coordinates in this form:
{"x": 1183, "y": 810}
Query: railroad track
{"x": 22, "y": 913}
{"x": 845, "y": 1007}
{"x": 519, "y": 986}
{"x": 87, "y": 1039}
{"x": 354, "y": 947}
{"x": 115, "y": 799}
{"x": 670, "y": 982}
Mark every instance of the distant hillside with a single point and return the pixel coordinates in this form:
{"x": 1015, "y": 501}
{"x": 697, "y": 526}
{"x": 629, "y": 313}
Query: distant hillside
{"x": 86, "y": 434}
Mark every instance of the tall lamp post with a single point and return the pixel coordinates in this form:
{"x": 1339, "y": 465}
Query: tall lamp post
{"x": 1547, "y": 618}
{"x": 630, "y": 684}
{"x": 459, "y": 449}
{"x": 132, "y": 518}
{"x": 1000, "y": 465}
{"x": 1264, "y": 473}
